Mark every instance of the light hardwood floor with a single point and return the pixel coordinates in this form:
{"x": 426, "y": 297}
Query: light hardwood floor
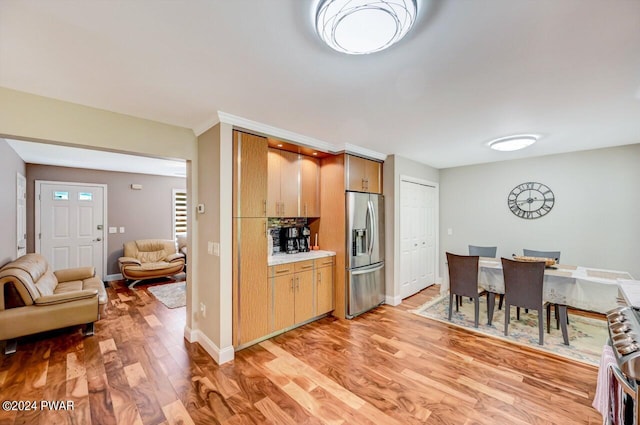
{"x": 384, "y": 367}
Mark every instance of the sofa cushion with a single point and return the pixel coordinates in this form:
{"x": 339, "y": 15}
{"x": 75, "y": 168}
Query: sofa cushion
{"x": 34, "y": 264}
{"x": 151, "y": 256}
{"x": 69, "y": 286}
{"x": 47, "y": 283}
{"x": 159, "y": 265}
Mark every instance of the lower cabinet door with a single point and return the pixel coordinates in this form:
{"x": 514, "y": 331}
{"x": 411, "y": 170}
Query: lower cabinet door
{"x": 283, "y": 302}
{"x": 304, "y": 296}
{"x": 324, "y": 290}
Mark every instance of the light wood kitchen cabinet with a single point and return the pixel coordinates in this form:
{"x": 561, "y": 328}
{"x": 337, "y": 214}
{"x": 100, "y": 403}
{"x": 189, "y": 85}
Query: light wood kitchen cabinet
{"x": 324, "y": 285}
{"x": 304, "y": 305}
{"x": 363, "y": 175}
{"x": 292, "y": 294}
{"x": 249, "y": 175}
{"x": 283, "y": 302}
{"x": 309, "y": 187}
{"x": 282, "y": 183}
{"x": 251, "y": 309}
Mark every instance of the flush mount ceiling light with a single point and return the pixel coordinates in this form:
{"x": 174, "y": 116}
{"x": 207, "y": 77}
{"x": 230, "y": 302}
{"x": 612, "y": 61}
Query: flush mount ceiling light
{"x": 513, "y": 143}
{"x": 359, "y": 27}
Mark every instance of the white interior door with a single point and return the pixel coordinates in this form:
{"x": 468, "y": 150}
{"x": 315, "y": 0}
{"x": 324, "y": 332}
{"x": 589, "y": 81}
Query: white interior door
{"x": 417, "y": 237}
{"x": 70, "y": 221}
{"x": 21, "y": 215}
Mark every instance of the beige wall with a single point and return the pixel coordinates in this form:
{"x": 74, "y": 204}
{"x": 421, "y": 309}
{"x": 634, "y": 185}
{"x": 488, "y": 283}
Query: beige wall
{"x": 145, "y": 214}
{"x": 10, "y": 165}
{"x": 214, "y": 226}
{"x": 34, "y": 117}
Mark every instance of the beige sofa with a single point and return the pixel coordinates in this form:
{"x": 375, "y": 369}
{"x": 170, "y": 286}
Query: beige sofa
{"x": 150, "y": 259}
{"x": 33, "y": 298}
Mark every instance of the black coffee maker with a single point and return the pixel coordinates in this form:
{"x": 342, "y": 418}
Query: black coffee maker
{"x": 304, "y": 240}
{"x": 289, "y": 238}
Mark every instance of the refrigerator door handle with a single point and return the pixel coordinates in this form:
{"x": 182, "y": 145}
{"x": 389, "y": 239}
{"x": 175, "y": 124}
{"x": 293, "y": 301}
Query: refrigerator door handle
{"x": 372, "y": 224}
{"x": 367, "y": 270}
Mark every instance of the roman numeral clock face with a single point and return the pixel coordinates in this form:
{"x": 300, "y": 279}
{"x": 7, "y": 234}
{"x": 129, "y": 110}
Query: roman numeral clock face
{"x": 530, "y": 200}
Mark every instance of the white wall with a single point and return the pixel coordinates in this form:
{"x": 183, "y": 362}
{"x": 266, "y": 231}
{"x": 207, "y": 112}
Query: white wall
{"x": 595, "y": 220}
{"x": 394, "y": 167}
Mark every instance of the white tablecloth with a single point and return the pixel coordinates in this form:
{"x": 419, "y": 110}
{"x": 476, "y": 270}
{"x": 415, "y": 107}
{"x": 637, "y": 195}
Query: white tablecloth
{"x": 584, "y": 288}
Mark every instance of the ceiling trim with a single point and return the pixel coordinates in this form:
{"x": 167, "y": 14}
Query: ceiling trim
{"x": 299, "y": 139}
{"x": 359, "y": 150}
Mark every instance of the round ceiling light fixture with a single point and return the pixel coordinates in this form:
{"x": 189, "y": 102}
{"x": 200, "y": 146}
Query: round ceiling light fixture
{"x": 358, "y": 27}
{"x": 513, "y": 143}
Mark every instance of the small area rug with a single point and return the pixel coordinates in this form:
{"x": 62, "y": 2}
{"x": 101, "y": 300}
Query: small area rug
{"x": 173, "y": 295}
{"x": 587, "y": 335}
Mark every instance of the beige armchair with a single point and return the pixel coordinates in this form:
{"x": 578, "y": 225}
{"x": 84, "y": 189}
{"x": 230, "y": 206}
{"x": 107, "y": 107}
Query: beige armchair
{"x": 150, "y": 259}
{"x": 33, "y": 298}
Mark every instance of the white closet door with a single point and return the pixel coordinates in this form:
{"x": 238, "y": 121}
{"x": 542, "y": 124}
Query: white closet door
{"x": 417, "y": 237}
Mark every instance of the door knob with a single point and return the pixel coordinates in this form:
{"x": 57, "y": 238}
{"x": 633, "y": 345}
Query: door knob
{"x": 97, "y": 240}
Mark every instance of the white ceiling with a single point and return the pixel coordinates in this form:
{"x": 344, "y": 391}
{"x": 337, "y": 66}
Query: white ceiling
{"x": 66, "y": 156}
{"x": 469, "y": 71}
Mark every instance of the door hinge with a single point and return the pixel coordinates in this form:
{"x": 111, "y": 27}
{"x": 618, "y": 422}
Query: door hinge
{"x": 39, "y": 235}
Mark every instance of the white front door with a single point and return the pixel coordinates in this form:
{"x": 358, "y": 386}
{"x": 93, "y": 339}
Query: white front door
{"x": 21, "y": 215}
{"x": 70, "y": 221}
{"x": 417, "y": 237}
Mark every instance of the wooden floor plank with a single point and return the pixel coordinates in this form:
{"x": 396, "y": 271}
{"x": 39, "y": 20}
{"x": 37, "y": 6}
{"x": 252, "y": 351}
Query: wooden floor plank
{"x": 387, "y": 366}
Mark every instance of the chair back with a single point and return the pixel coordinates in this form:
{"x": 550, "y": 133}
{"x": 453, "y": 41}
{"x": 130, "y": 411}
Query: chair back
{"x": 150, "y": 250}
{"x": 542, "y": 254}
{"x": 483, "y": 251}
{"x": 463, "y": 274}
{"x": 523, "y": 283}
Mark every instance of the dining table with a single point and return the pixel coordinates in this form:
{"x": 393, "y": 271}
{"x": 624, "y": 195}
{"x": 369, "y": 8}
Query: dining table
{"x": 579, "y": 287}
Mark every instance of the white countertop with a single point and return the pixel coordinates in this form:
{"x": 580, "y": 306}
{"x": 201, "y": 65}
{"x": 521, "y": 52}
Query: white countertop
{"x": 276, "y": 259}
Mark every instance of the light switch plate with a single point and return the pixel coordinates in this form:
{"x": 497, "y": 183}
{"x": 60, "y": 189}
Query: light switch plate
{"x": 113, "y": 230}
{"x": 216, "y": 249}
{"x": 210, "y": 248}
{"x": 122, "y": 230}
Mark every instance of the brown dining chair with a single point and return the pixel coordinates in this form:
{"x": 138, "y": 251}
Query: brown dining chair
{"x": 544, "y": 254}
{"x": 523, "y": 287}
{"x": 463, "y": 282}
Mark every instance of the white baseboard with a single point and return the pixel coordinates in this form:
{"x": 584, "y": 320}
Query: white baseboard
{"x": 111, "y": 277}
{"x": 220, "y": 356}
{"x": 391, "y": 300}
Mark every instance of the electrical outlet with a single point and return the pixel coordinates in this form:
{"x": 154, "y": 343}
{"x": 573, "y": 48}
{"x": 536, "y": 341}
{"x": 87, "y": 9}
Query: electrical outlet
{"x": 203, "y": 310}
{"x": 210, "y": 248}
{"x": 216, "y": 249}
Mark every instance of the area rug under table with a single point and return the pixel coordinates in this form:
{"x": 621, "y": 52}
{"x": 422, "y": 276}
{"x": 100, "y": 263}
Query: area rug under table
{"x": 173, "y": 295}
{"x": 586, "y": 335}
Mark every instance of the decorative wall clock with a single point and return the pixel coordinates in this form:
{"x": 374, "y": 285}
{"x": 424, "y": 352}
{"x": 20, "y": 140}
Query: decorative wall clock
{"x": 530, "y": 200}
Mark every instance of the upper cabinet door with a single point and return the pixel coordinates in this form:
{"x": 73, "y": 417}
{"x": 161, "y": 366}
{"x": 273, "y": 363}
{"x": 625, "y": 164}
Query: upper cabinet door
{"x": 289, "y": 172}
{"x": 309, "y": 187}
{"x": 282, "y": 199}
{"x": 273, "y": 191}
{"x": 373, "y": 177}
{"x": 363, "y": 175}
{"x": 249, "y": 175}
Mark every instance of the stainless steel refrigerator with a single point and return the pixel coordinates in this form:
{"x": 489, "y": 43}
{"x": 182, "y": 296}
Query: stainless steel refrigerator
{"x": 365, "y": 252}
